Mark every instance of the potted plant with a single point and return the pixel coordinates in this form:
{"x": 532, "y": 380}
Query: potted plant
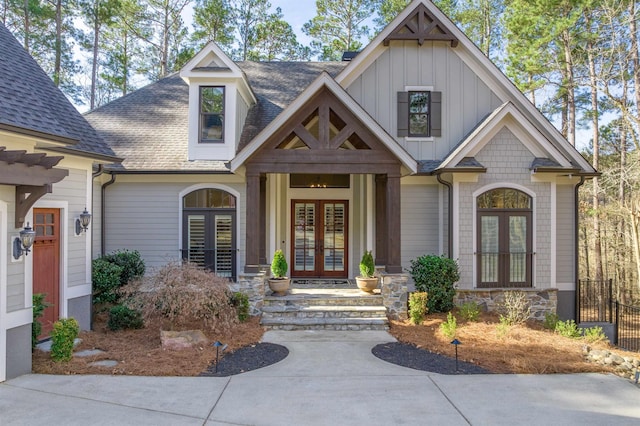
{"x": 279, "y": 283}
{"x": 367, "y": 281}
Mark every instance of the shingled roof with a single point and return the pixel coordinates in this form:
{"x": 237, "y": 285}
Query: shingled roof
{"x": 149, "y": 127}
{"x": 30, "y": 103}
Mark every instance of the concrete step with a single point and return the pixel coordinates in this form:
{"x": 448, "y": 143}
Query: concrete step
{"x": 323, "y": 311}
{"x": 283, "y": 323}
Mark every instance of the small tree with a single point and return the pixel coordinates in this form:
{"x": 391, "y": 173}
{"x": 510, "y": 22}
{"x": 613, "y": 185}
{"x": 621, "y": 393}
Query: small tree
{"x": 279, "y": 265}
{"x": 367, "y": 267}
{"x": 437, "y": 276}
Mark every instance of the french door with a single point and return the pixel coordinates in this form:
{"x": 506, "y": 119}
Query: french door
{"x": 505, "y": 256}
{"x": 209, "y": 240}
{"x": 319, "y": 243}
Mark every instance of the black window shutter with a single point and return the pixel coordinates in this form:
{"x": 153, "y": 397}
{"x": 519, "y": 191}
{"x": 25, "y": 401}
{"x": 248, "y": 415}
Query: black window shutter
{"x": 436, "y": 114}
{"x": 403, "y": 114}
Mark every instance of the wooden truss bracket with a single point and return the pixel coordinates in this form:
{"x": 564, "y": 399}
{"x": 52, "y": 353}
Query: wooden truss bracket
{"x": 26, "y": 197}
{"x": 422, "y": 25}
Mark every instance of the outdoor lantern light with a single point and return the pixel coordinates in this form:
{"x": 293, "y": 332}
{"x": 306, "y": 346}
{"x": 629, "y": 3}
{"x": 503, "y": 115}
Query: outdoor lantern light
{"x": 83, "y": 222}
{"x": 23, "y": 243}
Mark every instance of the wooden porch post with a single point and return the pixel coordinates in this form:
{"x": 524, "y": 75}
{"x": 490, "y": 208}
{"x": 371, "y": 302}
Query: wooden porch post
{"x": 262, "y": 245}
{"x": 252, "y": 264}
{"x": 381, "y": 221}
{"x": 394, "y": 264}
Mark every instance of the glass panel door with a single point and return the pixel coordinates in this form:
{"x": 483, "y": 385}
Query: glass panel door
{"x": 334, "y": 233}
{"x": 195, "y": 239}
{"x": 489, "y": 243}
{"x": 304, "y": 238}
{"x": 224, "y": 253}
{"x": 517, "y": 249}
{"x": 209, "y": 241}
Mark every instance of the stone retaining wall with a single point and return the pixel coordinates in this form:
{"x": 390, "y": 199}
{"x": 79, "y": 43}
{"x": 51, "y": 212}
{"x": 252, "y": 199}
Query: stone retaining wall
{"x": 541, "y": 301}
{"x": 253, "y": 285}
{"x": 625, "y": 366}
{"x": 394, "y": 295}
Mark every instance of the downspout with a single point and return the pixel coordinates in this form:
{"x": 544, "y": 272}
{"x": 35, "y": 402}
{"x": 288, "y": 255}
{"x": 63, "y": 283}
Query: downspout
{"x": 449, "y": 186}
{"x": 577, "y": 247}
{"x": 102, "y": 212}
{"x": 99, "y": 172}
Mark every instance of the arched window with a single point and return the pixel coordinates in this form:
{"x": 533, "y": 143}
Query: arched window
{"x": 208, "y": 230}
{"x": 504, "y": 238}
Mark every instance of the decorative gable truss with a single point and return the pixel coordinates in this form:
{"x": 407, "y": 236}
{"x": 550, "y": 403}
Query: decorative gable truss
{"x": 421, "y": 25}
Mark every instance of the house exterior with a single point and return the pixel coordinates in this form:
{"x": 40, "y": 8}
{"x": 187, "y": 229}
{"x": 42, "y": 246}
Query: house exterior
{"x": 47, "y": 152}
{"x": 418, "y": 145}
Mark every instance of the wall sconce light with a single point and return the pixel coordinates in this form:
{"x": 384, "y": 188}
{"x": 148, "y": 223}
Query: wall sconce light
{"x": 23, "y": 243}
{"x": 82, "y": 223}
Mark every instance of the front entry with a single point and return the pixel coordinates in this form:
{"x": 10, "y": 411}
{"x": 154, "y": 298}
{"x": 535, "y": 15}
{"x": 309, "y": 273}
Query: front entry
{"x": 320, "y": 235}
{"x": 46, "y": 264}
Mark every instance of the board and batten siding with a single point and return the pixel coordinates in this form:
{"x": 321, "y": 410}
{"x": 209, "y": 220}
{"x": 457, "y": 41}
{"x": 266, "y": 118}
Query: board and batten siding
{"x": 420, "y": 215}
{"x": 565, "y": 234}
{"x": 242, "y": 110}
{"x": 144, "y": 216}
{"x": 73, "y": 190}
{"x": 466, "y": 99}
{"x": 15, "y": 269}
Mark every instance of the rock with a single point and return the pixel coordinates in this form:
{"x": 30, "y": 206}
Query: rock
{"x": 104, "y": 363}
{"x": 608, "y": 361}
{"x": 46, "y": 345}
{"x": 177, "y": 340}
{"x": 88, "y": 352}
{"x": 617, "y": 359}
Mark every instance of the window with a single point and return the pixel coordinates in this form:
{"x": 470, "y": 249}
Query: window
{"x": 419, "y": 114}
{"x": 211, "y": 114}
{"x": 504, "y": 252}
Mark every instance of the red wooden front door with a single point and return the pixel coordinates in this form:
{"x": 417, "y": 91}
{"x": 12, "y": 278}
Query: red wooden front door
{"x": 46, "y": 264}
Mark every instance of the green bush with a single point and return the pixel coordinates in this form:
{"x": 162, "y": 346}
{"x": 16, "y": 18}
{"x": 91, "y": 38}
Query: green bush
{"x": 367, "y": 267}
{"x": 568, "y": 329}
{"x": 122, "y": 317}
{"x": 39, "y": 305}
{"x": 594, "y": 334}
{"x": 417, "y": 306}
{"x": 469, "y": 311}
{"x": 503, "y": 327}
{"x": 63, "y": 335}
{"x": 279, "y": 265}
{"x": 450, "y": 326}
{"x": 437, "y": 276}
{"x": 550, "y": 321}
{"x": 106, "y": 281}
{"x": 241, "y": 302}
{"x": 131, "y": 263}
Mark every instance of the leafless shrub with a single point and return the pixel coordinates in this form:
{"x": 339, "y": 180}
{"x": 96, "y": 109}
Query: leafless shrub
{"x": 515, "y": 308}
{"x": 183, "y": 294}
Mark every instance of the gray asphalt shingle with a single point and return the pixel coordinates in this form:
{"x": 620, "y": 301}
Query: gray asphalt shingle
{"x": 29, "y": 100}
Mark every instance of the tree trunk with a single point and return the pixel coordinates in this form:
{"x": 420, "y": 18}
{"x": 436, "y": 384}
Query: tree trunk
{"x": 94, "y": 65}
{"x": 58, "y": 60}
{"x": 27, "y": 29}
{"x": 569, "y": 84}
{"x": 634, "y": 52}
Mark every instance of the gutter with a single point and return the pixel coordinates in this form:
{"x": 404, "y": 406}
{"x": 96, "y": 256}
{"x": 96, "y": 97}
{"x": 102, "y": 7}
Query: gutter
{"x": 577, "y": 248}
{"x": 449, "y": 186}
{"x": 103, "y": 196}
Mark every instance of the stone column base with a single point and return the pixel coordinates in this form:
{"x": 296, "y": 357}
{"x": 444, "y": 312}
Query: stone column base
{"x": 253, "y": 285}
{"x": 394, "y": 295}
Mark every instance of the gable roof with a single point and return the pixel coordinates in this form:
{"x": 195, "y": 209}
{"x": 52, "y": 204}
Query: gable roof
{"x": 31, "y": 104}
{"x": 478, "y": 62}
{"x": 324, "y": 80}
{"x": 130, "y": 123}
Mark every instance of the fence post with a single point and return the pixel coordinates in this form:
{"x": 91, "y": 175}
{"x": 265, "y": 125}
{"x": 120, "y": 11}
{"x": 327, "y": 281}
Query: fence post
{"x": 579, "y": 302}
{"x": 610, "y": 300}
{"x": 615, "y": 336}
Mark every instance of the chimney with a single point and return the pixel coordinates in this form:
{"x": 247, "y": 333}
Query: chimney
{"x": 348, "y": 56}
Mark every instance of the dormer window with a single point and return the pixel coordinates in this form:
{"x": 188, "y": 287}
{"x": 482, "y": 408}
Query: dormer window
{"x": 211, "y": 114}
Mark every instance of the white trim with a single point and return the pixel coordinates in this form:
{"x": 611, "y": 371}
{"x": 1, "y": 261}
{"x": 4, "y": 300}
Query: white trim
{"x": 4, "y": 220}
{"x": 78, "y": 291}
{"x": 19, "y": 318}
{"x": 553, "y": 276}
{"x": 222, "y": 187}
{"x": 456, "y": 220}
{"x": 370, "y": 210}
{"x": 325, "y": 80}
{"x": 474, "y": 228}
{"x": 63, "y": 206}
{"x": 418, "y": 88}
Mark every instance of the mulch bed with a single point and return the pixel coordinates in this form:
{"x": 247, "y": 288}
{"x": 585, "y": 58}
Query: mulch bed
{"x": 247, "y": 359}
{"x": 410, "y": 356}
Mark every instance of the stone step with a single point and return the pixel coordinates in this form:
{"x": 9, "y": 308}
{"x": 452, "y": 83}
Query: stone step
{"x": 323, "y": 311}
{"x": 283, "y": 323}
{"x": 324, "y": 299}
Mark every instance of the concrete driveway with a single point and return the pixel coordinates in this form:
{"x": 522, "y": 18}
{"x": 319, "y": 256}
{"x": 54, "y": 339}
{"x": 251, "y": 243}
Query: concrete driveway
{"x": 329, "y": 378}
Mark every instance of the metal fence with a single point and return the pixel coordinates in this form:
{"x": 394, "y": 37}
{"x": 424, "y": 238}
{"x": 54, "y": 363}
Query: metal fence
{"x": 595, "y": 301}
{"x": 628, "y": 327}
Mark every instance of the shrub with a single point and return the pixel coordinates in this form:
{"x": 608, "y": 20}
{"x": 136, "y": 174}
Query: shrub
{"x": 568, "y": 329}
{"x": 469, "y": 311}
{"x": 503, "y": 327}
{"x": 182, "y": 293}
{"x": 39, "y": 305}
{"x": 515, "y": 307}
{"x": 437, "y": 276}
{"x": 63, "y": 336}
{"x": 367, "y": 267}
{"x": 122, "y": 317}
{"x": 279, "y": 265}
{"x": 417, "y": 306}
{"x": 241, "y": 302}
{"x": 106, "y": 281}
{"x": 594, "y": 334}
{"x": 131, "y": 263}
{"x": 550, "y": 321}
{"x": 450, "y": 326}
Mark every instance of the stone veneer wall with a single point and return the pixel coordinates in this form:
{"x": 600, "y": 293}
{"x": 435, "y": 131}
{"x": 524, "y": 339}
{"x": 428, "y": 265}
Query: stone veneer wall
{"x": 253, "y": 285}
{"x": 394, "y": 295}
{"x": 542, "y": 301}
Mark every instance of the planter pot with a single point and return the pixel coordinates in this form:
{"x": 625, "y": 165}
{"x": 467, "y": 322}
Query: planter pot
{"x": 367, "y": 284}
{"x": 279, "y": 286}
